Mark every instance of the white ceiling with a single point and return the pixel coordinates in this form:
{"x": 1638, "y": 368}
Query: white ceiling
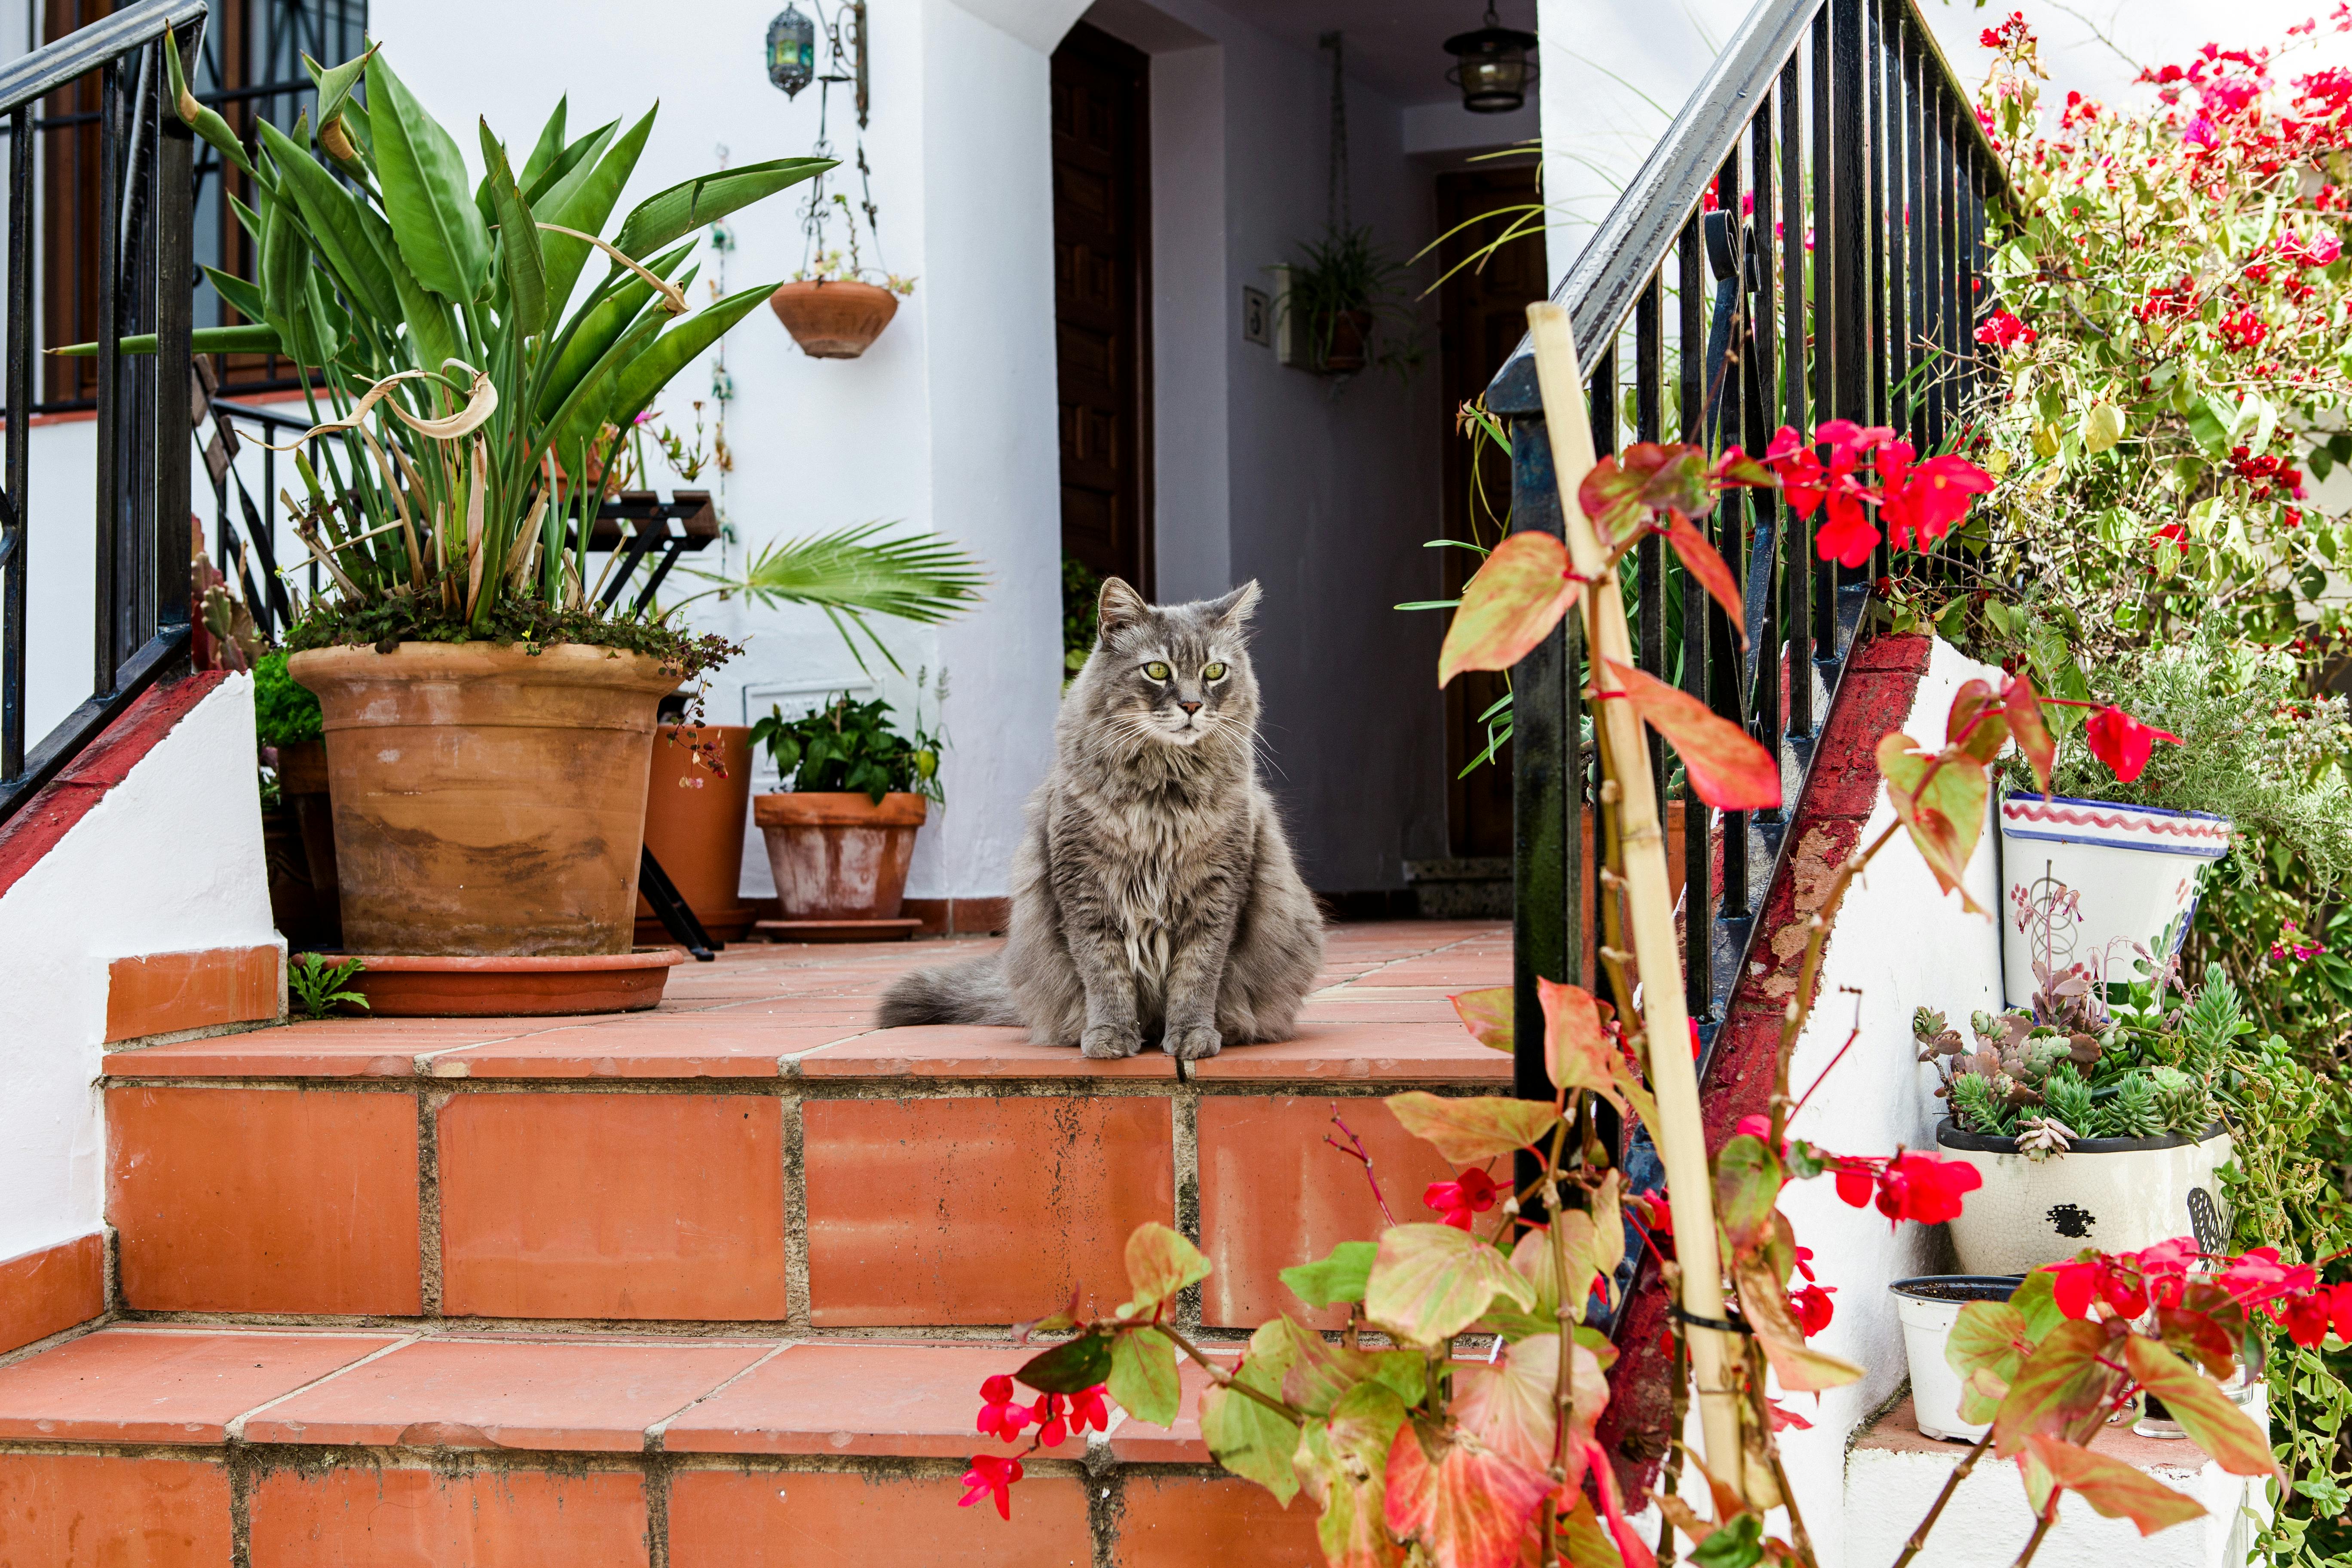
{"x": 1396, "y": 46}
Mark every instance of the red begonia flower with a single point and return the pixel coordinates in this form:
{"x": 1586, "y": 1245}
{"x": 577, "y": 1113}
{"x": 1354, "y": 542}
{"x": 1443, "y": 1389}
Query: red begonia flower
{"x": 1846, "y": 536}
{"x": 2123, "y": 742}
{"x": 1001, "y": 1416}
{"x": 1813, "y": 1307}
{"x": 990, "y": 1477}
{"x": 1051, "y": 1427}
{"x": 1087, "y": 1409}
{"x": 1927, "y": 498}
{"x": 1855, "y": 1186}
{"x": 1657, "y": 1214}
{"x": 1471, "y": 1193}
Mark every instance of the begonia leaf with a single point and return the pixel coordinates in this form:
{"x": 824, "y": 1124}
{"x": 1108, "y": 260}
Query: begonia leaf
{"x": 1246, "y": 1437}
{"x": 1490, "y": 1015}
{"x": 2060, "y": 1383}
{"x": 1070, "y": 1368}
{"x": 1764, "y": 1302}
{"x": 2112, "y": 1487}
{"x": 1322, "y": 1372}
{"x": 1143, "y": 1376}
{"x": 1467, "y": 1131}
{"x": 2024, "y": 711}
{"x": 2204, "y": 1412}
{"x": 1976, "y": 714}
{"x": 1943, "y": 811}
{"x": 1748, "y": 1182}
{"x": 1701, "y": 559}
{"x": 1159, "y": 1263}
{"x": 1432, "y": 1281}
{"x": 1988, "y": 1342}
{"x": 1468, "y": 1510}
{"x": 1335, "y": 1279}
{"x": 1582, "y": 1542}
{"x": 1343, "y": 1464}
{"x": 1512, "y": 604}
{"x": 1577, "y": 1053}
{"x": 1727, "y": 769}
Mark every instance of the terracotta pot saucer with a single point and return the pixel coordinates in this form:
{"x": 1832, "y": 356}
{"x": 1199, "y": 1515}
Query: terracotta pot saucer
{"x": 400, "y": 985}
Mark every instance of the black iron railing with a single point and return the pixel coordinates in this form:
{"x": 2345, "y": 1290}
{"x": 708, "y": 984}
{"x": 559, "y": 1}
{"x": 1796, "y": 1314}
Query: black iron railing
{"x": 140, "y": 563}
{"x": 1804, "y": 245}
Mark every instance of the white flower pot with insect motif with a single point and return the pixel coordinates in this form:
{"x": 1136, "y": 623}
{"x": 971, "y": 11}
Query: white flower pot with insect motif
{"x": 2118, "y": 1195}
{"x": 2084, "y": 881}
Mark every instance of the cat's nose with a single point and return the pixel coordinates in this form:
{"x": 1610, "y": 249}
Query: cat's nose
{"x": 1190, "y": 708}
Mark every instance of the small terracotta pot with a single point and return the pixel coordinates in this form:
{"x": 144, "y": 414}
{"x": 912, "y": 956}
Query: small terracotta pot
{"x": 487, "y": 801}
{"x": 839, "y": 857}
{"x": 1344, "y": 351}
{"x": 694, "y": 824}
{"x": 833, "y": 317}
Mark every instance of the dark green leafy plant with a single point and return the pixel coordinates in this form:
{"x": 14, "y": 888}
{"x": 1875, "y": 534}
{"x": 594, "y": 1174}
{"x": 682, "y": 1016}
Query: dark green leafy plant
{"x": 849, "y": 746}
{"x": 1345, "y": 278}
{"x": 318, "y": 987}
{"x": 284, "y": 712}
{"x": 1081, "y": 600}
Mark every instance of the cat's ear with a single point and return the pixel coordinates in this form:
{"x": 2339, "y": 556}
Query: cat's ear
{"x": 1233, "y": 609}
{"x": 1120, "y": 607}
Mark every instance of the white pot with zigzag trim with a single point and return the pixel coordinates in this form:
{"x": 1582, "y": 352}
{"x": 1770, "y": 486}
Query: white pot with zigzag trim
{"x": 2082, "y": 880}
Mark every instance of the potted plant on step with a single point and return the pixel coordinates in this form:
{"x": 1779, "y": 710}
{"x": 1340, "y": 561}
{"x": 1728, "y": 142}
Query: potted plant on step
{"x": 841, "y": 831}
{"x": 2092, "y": 1125}
{"x": 488, "y": 718}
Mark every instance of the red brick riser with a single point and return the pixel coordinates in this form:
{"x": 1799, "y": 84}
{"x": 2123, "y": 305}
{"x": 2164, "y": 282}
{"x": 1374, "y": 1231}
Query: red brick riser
{"x": 1873, "y": 699}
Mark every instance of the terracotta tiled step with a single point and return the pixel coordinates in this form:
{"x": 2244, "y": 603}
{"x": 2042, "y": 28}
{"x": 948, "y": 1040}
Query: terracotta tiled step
{"x": 128, "y": 1444}
{"x": 735, "y": 1162}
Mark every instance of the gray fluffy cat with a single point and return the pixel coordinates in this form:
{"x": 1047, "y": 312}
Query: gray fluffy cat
{"x": 1153, "y": 894}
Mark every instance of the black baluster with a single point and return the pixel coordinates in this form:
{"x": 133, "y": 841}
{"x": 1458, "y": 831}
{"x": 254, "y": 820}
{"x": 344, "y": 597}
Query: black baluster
{"x": 15, "y": 543}
{"x": 107, "y": 631}
{"x": 174, "y": 318}
{"x": 1762, "y": 606}
{"x": 1649, "y": 398}
{"x": 1698, "y": 971}
{"x": 1799, "y": 533}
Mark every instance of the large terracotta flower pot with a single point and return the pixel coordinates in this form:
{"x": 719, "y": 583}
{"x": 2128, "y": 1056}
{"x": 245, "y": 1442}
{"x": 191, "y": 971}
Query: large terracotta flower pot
{"x": 2118, "y": 1195}
{"x": 2085, "y": 880}
{"x": 833, "y": 317}
{"x": 694, "y": 824}
{"x": 839, "y": 857}
{"x": 487, "y": 801}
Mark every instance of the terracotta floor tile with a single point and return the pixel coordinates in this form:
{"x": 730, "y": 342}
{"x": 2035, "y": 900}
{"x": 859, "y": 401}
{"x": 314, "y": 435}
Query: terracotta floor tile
{"x": 80, "y": 1511}
{"x": 734, "y": 1519}
{"x": 161, "y": 993}
{"x": 979, "y": 1210}
{"x": 272, "y": 1053}
{"x": 49, "y": 1291}
{"x": 612, "y": 1206}
{"x": 666, "y": 1048}
{"x": 590, "y": 1395}
{"x": 1461, "y": 971}
{"x": 163, "y": 1386}
{"x": 241, "y": 1200}
{"x": 909, "y": 1401}
{"x": 398, "y": 1518}
{"x": 1344, "y": 1007}
{"x": 1185, "y": 1522}
{"x": 1274, "y": 1194}
{"x": 1369, "y": 1052}
{"x": 962, "y": 1050}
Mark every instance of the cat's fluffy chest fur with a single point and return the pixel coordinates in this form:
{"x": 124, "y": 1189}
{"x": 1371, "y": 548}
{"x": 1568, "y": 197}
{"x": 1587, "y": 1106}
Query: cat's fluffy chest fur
{"x": 1154, "y": 894}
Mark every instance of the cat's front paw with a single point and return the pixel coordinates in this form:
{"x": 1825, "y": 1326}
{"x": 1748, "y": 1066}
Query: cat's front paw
{"x": 1192, "y": 1042}
{"x": 1109, "y": 1042}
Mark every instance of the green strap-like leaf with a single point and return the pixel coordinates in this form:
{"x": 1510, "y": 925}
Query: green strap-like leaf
{"x": 207, "y": 123}
{"x": 599, "y": 325}
{"x": 432, "y": 324}
{"x": 652, "y": 370}
{"x": 335, "y": 83}
{"x": 238, "y": 291}
{"x": 526, "y": 271}
{"x": 553, "y": 186}
{"x": 548, "y": 149}
{"x": 586, "y": 207}
{"x": 441, "y": 235}
{"x": 682, "y": 209}
{"x": 582, "y": 412}
{"x": 331, "y": 217}
{"x": 257, "y": 337}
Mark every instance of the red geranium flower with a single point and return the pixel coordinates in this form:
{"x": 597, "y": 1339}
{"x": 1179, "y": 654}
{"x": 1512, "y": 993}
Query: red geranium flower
{"x": 1001, "y": 1416}
{"x": 2123, "y": 742}
{"x": 990, "y": 1477}
{"x": 1471, "y": 1193}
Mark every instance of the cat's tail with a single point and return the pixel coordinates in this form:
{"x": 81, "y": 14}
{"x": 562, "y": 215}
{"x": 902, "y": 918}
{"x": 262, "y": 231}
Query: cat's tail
{"x": 972, "y": 992}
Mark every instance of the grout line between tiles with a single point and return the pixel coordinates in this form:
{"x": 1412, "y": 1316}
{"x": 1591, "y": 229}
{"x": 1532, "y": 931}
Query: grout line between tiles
{"x": 660, "y": 1430}
{"x": 234, "y": 1425}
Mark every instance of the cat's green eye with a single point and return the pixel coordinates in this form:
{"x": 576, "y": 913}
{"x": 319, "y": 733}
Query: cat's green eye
{"x": 1156, "y": 671}
{"x": 1212, "y": 672}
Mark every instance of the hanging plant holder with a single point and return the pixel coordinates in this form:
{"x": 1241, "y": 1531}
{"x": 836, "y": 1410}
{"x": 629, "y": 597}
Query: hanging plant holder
{"x": 833, "y": 317}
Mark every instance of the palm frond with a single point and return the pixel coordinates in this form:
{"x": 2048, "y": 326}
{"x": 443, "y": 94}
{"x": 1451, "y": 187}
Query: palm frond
{"x": 850, "y": 574}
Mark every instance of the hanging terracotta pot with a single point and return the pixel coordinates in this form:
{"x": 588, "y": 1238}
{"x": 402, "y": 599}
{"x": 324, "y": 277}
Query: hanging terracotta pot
{"x": 1346, "y": 335}
{"x": 833, "y": 317}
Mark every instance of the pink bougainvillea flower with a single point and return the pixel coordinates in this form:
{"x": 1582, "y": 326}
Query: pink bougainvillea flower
{"x": 1471, "y": 1193}
{"x": 990, "y": 1477}
{"x": 2123, "y": 742}
{"x": 1001, "y": 1416}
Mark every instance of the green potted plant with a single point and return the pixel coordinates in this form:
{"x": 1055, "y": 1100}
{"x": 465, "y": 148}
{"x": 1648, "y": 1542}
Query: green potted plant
{"x": 2093, "y": 1124}
{"x": 1347, "y": 305}
{"x": 488, "y": 721}
{"x": 297, "y": 824}
{"x": 842, "y": 831}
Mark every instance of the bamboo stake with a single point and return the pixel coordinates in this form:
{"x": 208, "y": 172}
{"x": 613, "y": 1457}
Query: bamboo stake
{"x": 1681, "y": 1134}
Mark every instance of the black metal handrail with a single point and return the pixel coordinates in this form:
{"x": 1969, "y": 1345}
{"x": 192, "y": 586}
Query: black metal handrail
{"x": 1843, "y": 124}
{"x": 140, "y": 587}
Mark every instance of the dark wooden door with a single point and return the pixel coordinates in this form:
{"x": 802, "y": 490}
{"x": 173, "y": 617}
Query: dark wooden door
{"x": 1482, "y": 312}
{"x": 1101, "y": 206}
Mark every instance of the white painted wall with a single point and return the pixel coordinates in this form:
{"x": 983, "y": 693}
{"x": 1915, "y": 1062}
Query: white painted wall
{"x": 170, "y": 860}
{"x": 1904, "y": 946}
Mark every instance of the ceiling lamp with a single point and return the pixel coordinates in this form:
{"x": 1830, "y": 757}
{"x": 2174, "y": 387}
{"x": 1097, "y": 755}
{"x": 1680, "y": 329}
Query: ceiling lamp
{"x": 1494, "y": 66}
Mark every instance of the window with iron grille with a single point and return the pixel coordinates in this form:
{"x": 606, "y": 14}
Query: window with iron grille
{"x": 250, "y": 69}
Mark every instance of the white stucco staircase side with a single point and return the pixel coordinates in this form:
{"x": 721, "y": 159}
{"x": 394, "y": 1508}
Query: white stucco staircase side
{"x": 134, "y": 903}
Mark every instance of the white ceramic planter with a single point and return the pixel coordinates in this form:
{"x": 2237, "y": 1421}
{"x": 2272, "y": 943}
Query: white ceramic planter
{"x": 2117, "y": 1194}
{"x": 1928, "y": 1307}
{"x": 2085, "y": 880}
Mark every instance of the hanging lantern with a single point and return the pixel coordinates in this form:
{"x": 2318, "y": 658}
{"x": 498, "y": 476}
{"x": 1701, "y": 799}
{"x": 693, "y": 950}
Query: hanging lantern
{"x": 791, "y": 51}
{"x": 1494, "y": 66}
